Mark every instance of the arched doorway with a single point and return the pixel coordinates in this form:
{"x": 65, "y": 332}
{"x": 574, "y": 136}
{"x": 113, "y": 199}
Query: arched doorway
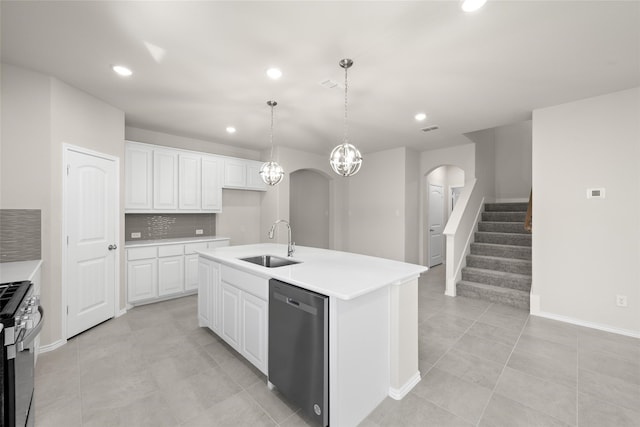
{"x": 442, "y": 186}
{"x": 309, "y": 208}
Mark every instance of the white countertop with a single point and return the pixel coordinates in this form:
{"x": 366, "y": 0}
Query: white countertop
{"x": 178, "y": 240}
{"x": 343, "y": 275}
{"x": 18, "y": 271}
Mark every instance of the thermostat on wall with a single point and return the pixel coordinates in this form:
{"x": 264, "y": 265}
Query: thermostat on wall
{"x": 595, "y": 193}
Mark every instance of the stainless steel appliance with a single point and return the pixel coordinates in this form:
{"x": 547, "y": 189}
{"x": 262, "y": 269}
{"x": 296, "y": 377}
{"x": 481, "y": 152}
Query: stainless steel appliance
{"x": 299, "y": 348}
{"x": 22, "y": 318}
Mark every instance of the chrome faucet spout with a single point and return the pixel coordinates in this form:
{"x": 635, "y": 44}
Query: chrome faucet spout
{"x": 290, "y": 245}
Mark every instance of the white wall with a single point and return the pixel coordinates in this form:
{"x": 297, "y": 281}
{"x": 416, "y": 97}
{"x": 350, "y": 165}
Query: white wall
{"x": 485, "y": 161}
{"x": 240, "y": 216}
{"x": 41, "y": 113}
{"x": 513, "y": 162}
{"x": 412, "y": 207}
{"x": 585, "y": 252}
{"x": 309, "y": 208}
{"x": 376, "y": 205}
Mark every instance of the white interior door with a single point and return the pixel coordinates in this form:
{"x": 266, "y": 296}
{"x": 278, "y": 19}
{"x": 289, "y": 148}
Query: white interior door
{"x": 436, "y": 224}
{"x": 90, "y": 215}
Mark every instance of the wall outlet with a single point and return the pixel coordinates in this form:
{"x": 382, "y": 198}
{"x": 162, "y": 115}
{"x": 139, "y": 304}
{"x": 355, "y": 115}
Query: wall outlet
{"x": 621, "y": 300}
{"x": 135, "y": 235}
{"x": 199, "y": 231}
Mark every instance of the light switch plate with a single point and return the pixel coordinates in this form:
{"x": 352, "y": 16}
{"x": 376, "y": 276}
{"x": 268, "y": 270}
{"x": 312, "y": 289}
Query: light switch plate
{"x": 135, "y": 235}
{"x": 199, "y": 231}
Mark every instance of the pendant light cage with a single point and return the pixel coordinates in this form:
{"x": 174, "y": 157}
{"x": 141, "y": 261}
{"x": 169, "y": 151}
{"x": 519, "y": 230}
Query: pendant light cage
{"x": 345, "y": 159}
{"x": 271, "y": 172}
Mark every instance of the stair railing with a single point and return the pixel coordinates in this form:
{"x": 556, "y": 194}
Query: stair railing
{"x": 527, "y": 218}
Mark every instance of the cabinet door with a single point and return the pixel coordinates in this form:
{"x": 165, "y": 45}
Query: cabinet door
{"x": 211, "y": 184}
{"x": 235, "y": 173}
{"x": 142, "y": 279}
{"x": 230, "y": 315}
{"x": 190, "y": 272}
{"x": 208, "y": 294}
{"x": 189, "y": 190}
{"x": 138, "y": 177}
{"x": 254, "y": 180}
{"x": 254, "y": 330}
{"x": 165, "y": 180}
{"x": 170, "y": 275}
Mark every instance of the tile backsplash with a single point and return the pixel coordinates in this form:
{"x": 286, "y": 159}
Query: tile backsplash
{"x": 168, "y": 226}
{"x": 20, "y": 235}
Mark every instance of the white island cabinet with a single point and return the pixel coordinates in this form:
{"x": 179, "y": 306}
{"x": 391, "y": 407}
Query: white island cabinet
{"x": 373, "y": 317}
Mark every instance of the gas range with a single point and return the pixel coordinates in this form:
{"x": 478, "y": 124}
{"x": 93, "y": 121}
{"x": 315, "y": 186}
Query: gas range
{"x": 22, "y": 319}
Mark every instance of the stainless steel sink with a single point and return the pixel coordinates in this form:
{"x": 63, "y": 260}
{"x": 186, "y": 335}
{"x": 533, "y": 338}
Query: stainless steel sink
{"x": 269, "y": 261}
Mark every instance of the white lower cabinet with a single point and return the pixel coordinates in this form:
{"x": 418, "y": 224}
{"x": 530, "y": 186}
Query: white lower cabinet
{"x": 253, "y": 345}
{"x": 230, "y": 310}
{"x": 164, "y": 271}
{"x": 142, "y": 279}
{"x": 234, "y": 305}
{"x": 170, "y": 275}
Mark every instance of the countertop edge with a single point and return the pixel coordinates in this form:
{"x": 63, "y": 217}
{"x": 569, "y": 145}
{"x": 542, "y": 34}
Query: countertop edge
{"x": 177, "y": 241}
{"x": 19, "y": 270}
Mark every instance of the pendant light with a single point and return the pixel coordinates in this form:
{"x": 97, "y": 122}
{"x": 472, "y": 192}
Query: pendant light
{"x": 271, "y": 172}
{"x": 345, "y": 159}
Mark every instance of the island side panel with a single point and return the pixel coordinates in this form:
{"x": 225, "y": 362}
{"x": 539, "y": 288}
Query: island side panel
{"x": 405, "y": 373}
{"x": 358, "y": 356}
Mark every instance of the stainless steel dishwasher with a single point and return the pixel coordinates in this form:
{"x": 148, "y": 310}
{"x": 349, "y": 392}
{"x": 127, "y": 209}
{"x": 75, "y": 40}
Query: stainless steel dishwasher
{"x": 299, "y": 348}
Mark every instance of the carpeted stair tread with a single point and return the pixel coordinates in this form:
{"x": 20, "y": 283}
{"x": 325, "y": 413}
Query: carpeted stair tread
{"x": 513, "y": 297}
{"x": 497, "y": 278}
{"x": 506, "y": 207}
{"x": 504, "y": 216}
{"x": 502, "y": 227}
{"x": 507, "y": 265}
{"x": 503, "y": 238}
{"x": 504, "y": 251}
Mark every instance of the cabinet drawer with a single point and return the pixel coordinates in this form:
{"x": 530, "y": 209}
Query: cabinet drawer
{"x": 170, "y": 250}
{"x": 142, "y": 253}
{"x": 254, "y": 285}
{"x": 191, "y": 248}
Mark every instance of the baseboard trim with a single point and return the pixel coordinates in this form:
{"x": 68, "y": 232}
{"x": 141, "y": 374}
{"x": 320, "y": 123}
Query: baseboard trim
{"x": 586, "y": 324}
{"x": 121, "y": 312}
{"x": 399, "y": 393}
{"x": 53, "y": 346}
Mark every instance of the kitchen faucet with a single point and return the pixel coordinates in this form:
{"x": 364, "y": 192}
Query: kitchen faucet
{"x": 291, "y": 245}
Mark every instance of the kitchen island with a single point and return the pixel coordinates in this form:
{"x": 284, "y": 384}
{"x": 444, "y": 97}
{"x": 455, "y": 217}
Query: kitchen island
{"x": 373, "y": 319}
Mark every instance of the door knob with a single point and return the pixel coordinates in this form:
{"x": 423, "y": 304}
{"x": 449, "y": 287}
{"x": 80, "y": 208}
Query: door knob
{"x": 112, "y": 247}
{"x": 431, "y": 229}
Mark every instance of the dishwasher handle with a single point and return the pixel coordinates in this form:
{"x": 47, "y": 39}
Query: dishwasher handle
{"x": 295, "y": 304}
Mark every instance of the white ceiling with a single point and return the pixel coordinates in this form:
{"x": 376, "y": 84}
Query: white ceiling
{"x": 466, "y": 71}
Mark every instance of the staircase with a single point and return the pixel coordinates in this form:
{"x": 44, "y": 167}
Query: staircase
{"x": 499, "y": 265}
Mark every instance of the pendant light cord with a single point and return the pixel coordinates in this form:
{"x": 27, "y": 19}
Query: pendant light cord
{"x": 271, "y": 138}
{"x": 346, "y": 138}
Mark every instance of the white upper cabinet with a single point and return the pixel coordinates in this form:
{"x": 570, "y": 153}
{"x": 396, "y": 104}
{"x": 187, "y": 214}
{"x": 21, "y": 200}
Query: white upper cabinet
{"x": 165, "y": 180}
{"x": 138, "y": 163}
{"x": 212, "y": 183}
{"x": 190, "y": 181}
{"x": 243, "y": 174}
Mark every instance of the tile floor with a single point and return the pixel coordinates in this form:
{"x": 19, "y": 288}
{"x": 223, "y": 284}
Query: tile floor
{"x": 483, "y": 364}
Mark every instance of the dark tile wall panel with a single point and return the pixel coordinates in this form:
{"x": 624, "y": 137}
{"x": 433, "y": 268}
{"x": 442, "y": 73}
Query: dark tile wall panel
{"x": 169, "y": 226}
{"x": 20, "y": 235}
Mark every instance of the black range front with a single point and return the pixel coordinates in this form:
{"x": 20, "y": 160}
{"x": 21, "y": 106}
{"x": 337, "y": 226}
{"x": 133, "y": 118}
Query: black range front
{"x": 22, "y": 319}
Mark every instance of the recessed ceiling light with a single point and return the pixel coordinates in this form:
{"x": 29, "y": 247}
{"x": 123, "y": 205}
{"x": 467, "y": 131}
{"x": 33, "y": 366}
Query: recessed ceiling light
{"x": 472, "y": 5}
{"x": 122, "y": 70}
{"x": 274, "y": 73}
{"x": 420, "y": 116}
{"x": 231, "y": 129}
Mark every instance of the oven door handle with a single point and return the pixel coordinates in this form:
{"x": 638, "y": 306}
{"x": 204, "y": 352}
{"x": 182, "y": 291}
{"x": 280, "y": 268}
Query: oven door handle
{"x": 33, "y": 333}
